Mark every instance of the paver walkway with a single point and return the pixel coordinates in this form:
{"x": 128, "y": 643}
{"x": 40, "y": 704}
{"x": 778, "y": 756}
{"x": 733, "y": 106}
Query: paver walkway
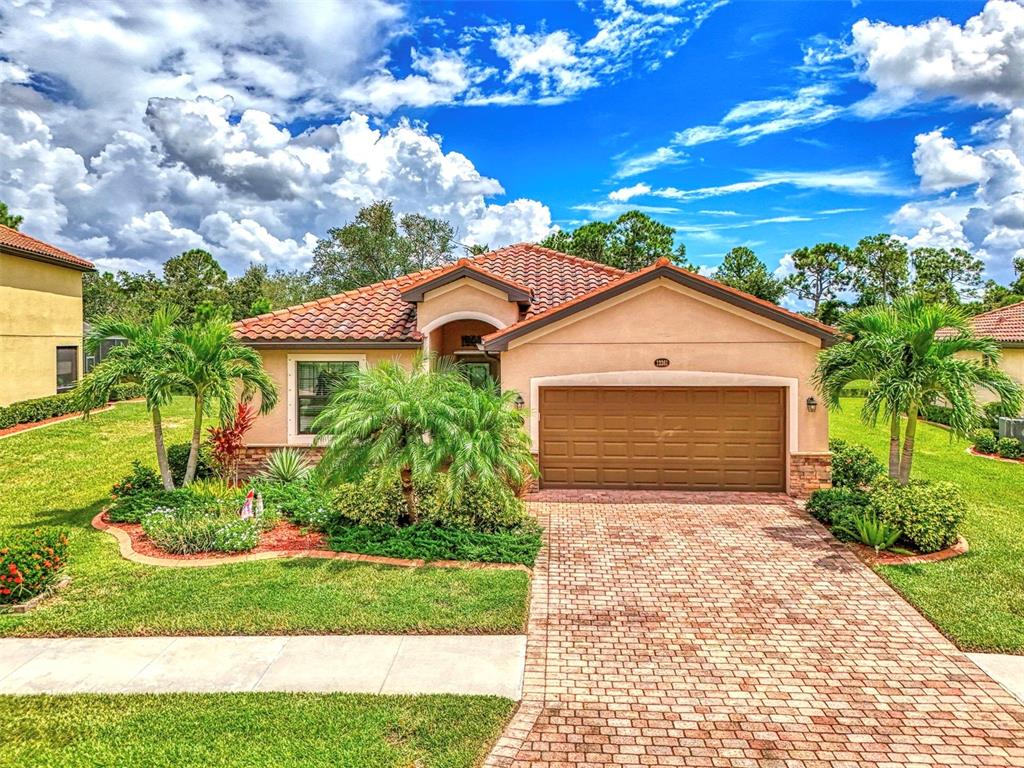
{"x": 736, "y": 632}
{"x": 412, "y": 664}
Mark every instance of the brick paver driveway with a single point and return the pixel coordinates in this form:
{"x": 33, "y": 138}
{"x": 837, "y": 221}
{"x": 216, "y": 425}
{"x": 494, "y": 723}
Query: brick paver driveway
{"x": 729, "y": 631}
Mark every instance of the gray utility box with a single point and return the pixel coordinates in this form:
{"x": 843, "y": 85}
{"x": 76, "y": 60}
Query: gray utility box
{"x": 1011, "y": 428}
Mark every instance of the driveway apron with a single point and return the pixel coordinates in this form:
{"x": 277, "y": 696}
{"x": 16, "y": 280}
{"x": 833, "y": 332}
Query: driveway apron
{"x": 732, "y": 630}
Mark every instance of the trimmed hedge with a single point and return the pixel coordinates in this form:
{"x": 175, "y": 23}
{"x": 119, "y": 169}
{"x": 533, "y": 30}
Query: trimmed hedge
{"x": 51, "y": 406}
{"x": 1009, "y": 447}
{"x": 177, "y": 457}
{"x": 853, "y": 465}
{"x": 426, "y": 541}
{"x": 29, "y": 563}
{"x": 984, "y": 440}
{"x": 829, "y": 505}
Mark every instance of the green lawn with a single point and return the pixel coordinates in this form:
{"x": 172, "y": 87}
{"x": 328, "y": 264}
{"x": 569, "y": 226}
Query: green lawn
{"x": 977, "y": 599}
{"x": 270, "y": 729}
{"x": 61, "y": 475}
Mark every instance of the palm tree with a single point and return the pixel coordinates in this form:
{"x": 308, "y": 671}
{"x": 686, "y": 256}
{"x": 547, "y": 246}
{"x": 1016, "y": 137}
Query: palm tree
{"x": 493, "y": 447}
{"x": 215, "y": 369}
{"x": 146, "y": 359}
{"x": 906, "y": 366}
{"x": 391, "y": 422}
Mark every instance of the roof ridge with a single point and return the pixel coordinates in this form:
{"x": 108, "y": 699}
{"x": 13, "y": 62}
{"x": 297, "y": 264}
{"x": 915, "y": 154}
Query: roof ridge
{"x": 569, "y": 257}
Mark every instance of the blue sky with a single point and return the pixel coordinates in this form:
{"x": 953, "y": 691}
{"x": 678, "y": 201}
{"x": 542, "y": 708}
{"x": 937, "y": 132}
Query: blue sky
{"x": 130, "y": 132}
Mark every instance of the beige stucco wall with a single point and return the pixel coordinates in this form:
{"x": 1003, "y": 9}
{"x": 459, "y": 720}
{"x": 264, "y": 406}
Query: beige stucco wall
{"x": 1012, "y": 363}
{"x": 40, "y": 310}
{"x": 466, "y": 296}
{"x": 272, "y": 429}
{"x": 708, "y": 342}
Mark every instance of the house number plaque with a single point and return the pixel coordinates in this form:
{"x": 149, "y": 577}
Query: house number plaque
{"x": 661, "y": 362}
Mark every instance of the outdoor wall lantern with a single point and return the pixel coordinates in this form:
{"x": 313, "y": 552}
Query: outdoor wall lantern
{"x": 812, "y": 405}
{"x": 519, "y": 401}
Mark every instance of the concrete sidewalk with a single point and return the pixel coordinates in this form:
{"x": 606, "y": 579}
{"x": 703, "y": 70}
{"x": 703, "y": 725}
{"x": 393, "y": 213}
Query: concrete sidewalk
{"x": 407, "y": 664}
{"x": 1006, "y": 670}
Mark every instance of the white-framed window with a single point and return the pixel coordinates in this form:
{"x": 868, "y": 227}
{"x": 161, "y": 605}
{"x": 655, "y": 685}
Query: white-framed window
{"x": 312, "y": 380}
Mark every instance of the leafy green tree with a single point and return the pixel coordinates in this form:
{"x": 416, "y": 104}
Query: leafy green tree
{"x": 820, "y": 274}
{"x": 143, "y": 294}
{"x": 192, "y": 278}
{"x": 477, "y": 249}
{"x": 631, "y": 242}
{"x": 895, "y": 350}
{"x": 216, "y": 370}
{"x": 248, "y": 291}
{"x": 948, "y": 276}
{"x": 7, "y": 218}
{"x": 879, "y": 269}
{"x": 288, "y": 288}
{"x": 376, "y": 247}
{"x": 101, "y": 295}
{"x": 145, "y": 358}
{"x": 378, "y": 424}
{"x": 742, "y": 270}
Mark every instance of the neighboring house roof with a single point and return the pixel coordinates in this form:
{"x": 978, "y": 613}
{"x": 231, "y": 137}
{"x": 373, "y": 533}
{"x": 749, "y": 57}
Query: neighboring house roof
{"x": 662, "y": 268}
{"x": 378, "y": 314}
{"x": 1005, "y": 325}
{"x": 19, "y": 244}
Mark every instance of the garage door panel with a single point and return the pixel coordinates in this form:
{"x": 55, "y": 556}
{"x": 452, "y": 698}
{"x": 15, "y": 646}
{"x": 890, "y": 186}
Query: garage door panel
{"x": 699, "y": 438}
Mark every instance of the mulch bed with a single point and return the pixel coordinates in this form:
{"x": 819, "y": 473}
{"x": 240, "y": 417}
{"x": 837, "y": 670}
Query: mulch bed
{"x": 283, "y": 537}
{"x": 869, "y": 556}
{"x": 997, "y": 457}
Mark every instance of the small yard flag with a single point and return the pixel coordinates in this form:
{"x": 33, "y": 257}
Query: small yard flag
{"x": 247, "y": 507}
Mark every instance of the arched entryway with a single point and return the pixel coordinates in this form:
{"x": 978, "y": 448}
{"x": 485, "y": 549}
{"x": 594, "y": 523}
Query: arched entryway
{"x": 457, "y": 338}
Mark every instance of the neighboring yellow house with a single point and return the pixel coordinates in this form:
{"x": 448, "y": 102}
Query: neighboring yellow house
{"x": 40, "y": 317}
{"x": 1006, "y": 326}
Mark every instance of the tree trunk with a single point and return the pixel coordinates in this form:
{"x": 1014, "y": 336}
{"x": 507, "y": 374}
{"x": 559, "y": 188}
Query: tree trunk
{"x": 894, "y": 447}
{"x": 908, "y": 445}
{"x": 161, "y": 450}
{"x": 193, "y": 452}
{"x": 409, "y": 494}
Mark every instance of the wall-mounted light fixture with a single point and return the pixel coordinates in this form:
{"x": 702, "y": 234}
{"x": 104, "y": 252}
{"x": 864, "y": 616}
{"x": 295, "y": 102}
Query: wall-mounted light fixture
{"x": 812, "y": 405}
{"x": 519, "y": 401}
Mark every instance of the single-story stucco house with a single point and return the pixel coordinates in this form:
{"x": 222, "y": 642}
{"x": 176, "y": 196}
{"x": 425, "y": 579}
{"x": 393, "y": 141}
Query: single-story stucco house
{"x": 40, "y": 317}
{"x": 656, "y": 379}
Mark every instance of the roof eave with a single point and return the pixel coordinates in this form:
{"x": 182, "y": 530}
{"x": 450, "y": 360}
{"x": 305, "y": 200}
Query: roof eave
{"x": 330, "y": 343}
{"x": 46, "y": 259}
{"x": 501, "y": 340}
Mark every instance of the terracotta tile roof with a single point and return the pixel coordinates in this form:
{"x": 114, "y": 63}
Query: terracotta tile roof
{"x": 377, "y": 313}
{"x": 464, "y": 268}
{"x": 1005, "y": 325}
{"x": 664, "y": 267}
{"x": 22, "y": 245}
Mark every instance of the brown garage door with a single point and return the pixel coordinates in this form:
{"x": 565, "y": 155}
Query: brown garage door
{"x": 687, "y": 438}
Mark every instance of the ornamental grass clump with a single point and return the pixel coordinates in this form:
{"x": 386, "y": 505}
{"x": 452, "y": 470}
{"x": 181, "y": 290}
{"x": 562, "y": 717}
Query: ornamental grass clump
{"x": 190, "y": 531}
{"x": 30, "y": 563}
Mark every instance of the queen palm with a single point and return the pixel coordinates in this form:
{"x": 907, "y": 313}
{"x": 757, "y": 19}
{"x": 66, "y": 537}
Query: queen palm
{"x": 898, "y": 351}
{"x": 390, "y": 422}
{"x": 215, "y": 369}
{"x": 145, "y": 358}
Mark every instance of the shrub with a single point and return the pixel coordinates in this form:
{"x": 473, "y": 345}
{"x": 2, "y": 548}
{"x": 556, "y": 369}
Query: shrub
{"x": 1009, "y": 447}
{"x": 305, "y": 503}
{"x": 489, "y": 508}
{"x": 139, "y": 480}
{"x": 38, "y": 409}
{"x": 937, "y": 414}
{"x": 186, "y": 531}
{"x": 853, "y": 465}
{"x": 828, "y": 504}
{"x": 226, "y": 441}
{"x": 983, "y": 440}
{"x": 928, "y": 515}
{"x": 372, "y": 501}
{"x": 126, "y": 392}
{"x": 865, "y": 527}
{"x": 286, "y": 465}
{"x": 177, "y": 457}
{"x": 426, "y": 541}
{"x": 30, "y": 562}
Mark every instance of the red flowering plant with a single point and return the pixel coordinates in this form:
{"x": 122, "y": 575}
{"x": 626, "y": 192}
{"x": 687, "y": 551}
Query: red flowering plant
{"x": 226, "y": 441}
{"x": 29, "y": 563}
